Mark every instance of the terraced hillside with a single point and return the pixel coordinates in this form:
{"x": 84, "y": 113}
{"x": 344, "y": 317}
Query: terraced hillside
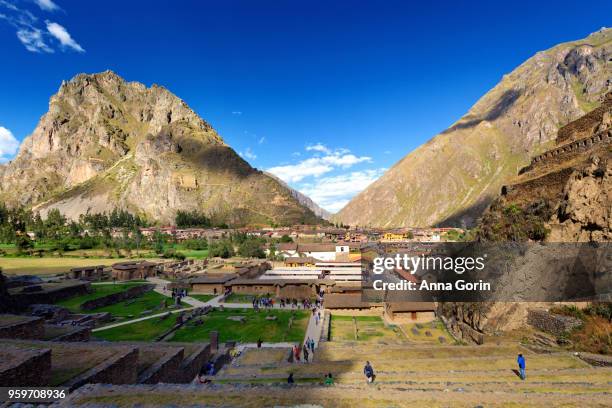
{"x": 407, "y": 375}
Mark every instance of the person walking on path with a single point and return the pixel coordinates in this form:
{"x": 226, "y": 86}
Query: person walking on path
{"x": 521, "y": 363}
{"x": 305, "y": 350}
{"x": 369, "y": 372}
{"x": 312, "y": 345}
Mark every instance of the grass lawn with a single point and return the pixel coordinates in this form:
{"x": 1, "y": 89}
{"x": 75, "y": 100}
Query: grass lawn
{"x": 236, "y": 298}
{"x": 51, "y": 265}
{"x": 128, "y": 309}
{"x": 436, "y": 328}
{"x": 202, "y": 298}
{"x": 146, "y": 330}
{"x": 253, "y": 328}
{"x": 133, "y": 308}
{"x": 189, "y": 253}
{"x": 99, "y": 291}
{"x": 369, "y": 328}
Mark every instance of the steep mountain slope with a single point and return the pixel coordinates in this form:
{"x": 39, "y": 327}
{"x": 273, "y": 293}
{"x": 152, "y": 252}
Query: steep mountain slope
{"x": 452, "y": 178}
{"x": 106, "y": 143}
{"x": 304, "y": 200}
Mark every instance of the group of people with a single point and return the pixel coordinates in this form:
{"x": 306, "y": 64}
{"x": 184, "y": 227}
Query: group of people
{"x": 303, "y": 353}
{"x": 264, "y": 302}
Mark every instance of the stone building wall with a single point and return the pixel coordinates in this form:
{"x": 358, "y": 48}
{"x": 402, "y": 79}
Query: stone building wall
{"x": 551, "y": 323}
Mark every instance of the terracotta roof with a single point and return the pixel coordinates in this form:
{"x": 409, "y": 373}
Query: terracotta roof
{"x": 287, "y": 246}
{"x": 317, "y": 248}
{"x": 301, "y": 259}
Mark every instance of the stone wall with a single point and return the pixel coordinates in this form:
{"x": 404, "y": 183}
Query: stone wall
{"x": 165, "y": 369}
{"x": 193, "y": 363}
{"x": 51, "y": 293}
{"x": 119, "y": 369}
{"x": 571, "y": 149}
{"x": 114, "y": 298}
{"x": 27, "y": 328}
{"x": 25, "y": 368}
{"x": 551, "y": 323}
{"x": 78, "y": 334}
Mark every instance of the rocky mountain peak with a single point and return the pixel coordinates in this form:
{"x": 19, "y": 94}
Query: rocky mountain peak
{"x": 107, "y": 143}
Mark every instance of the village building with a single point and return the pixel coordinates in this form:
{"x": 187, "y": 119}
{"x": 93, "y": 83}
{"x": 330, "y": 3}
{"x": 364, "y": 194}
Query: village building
{"x": 211, "y": 284}
{"x": 409, "y": 312}
{"x": 133, "y": 270}
{"x": 297, "y": 289}
{"x": 88, "y": 272}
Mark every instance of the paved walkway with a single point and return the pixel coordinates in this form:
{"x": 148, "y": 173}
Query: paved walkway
{"x": 315, "y": 330}
{"x": 140, "y": 319}
{"x": 160, "y": 284}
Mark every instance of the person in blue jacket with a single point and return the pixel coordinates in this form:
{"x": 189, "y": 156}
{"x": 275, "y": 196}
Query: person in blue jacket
{"x": 521, "y": 363}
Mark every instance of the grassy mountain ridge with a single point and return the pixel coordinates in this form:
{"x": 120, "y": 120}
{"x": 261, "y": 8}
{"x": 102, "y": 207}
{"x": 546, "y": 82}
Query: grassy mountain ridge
{"x": 453, "y": 177}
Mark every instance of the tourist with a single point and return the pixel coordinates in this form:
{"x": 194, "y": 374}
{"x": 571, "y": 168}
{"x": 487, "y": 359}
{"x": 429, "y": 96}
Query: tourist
{"x": 296, "y": 353}
{"x": 521, "y": 363}
{"x": 305, "y": 350}
{"x": 369, "y": 372}
{"x": 329, "y": 380}
{"x": 290, "y": 379}
{"x": 259, "y": 343}
{"x": 312, "y": 345}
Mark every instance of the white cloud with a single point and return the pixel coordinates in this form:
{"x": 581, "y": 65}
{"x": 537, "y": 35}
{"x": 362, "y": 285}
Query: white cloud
{"x": 8, "y": 144}
{"x": 333, "y": 193}
{"x": 32, "y": 39}
{"x": 63, "y": 36}
{"x": 33, "y": 36}
{"x": 47, "y": 5}
{"x": 261, "y": 140}
{"x": 319, "y": 165}
{"x": 312, "y": 167}
{"x": 319, "y": 147}
{"x": 248, "y": 154}
{"x": 237, "y": 113}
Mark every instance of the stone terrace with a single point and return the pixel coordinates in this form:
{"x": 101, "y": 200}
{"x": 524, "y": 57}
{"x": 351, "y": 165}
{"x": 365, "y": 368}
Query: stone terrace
{"x": 75, "y": 364}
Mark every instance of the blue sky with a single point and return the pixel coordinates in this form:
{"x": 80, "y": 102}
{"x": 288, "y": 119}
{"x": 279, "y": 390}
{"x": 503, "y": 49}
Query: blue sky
{"x": 326, "y": 94}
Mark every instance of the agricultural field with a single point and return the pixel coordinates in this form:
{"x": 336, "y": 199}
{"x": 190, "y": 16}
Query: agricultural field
{"x": 51, "y": 265}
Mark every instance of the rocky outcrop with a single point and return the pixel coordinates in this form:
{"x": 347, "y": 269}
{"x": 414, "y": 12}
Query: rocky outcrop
{"x": 565, "y": 193}
{"x": 452, "y": 179}
{"x": 107, "y": 143}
